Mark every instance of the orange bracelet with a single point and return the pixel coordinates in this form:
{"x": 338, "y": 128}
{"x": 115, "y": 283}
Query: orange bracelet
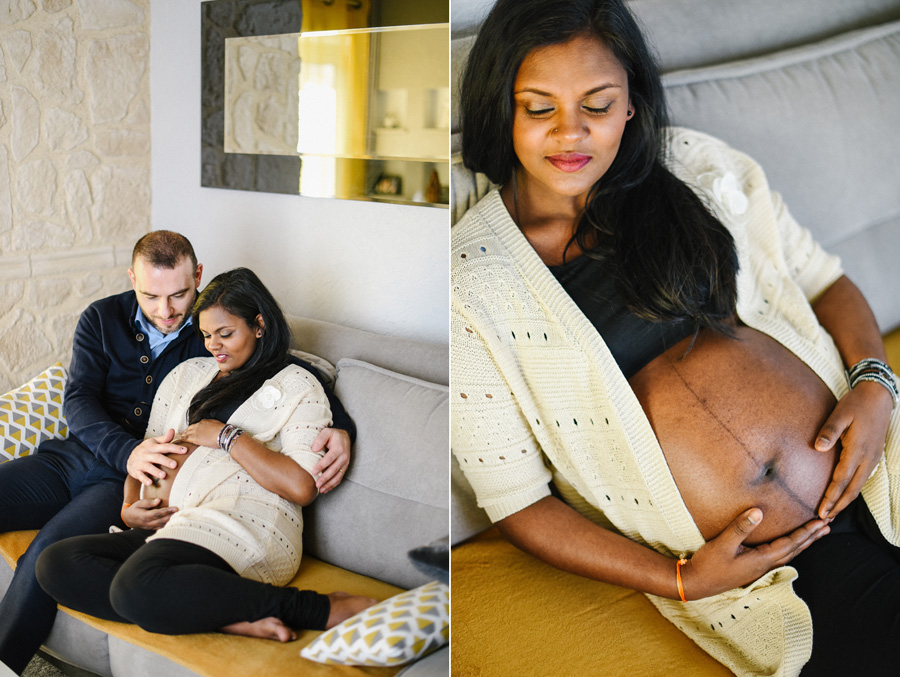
{"x": 122, "y": 513}
{"x": 681, "y": 562}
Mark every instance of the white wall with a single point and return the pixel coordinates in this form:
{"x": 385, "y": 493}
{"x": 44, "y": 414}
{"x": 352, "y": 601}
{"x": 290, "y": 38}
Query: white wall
{"x": 378, "y": 267}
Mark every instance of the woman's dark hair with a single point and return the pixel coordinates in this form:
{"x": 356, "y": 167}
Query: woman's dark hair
{"x": 671, "y": 257}
{"x": 241, "y": 293}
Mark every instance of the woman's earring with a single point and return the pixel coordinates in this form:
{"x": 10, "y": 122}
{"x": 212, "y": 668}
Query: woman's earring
{"x": 629, "y": 113}
{"x": 259, "y": 333}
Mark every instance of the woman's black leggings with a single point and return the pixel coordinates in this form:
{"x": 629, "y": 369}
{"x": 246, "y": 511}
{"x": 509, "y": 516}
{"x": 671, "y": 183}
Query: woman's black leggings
{"x": 850, "y": 580}
{"x": 166, "y": 586}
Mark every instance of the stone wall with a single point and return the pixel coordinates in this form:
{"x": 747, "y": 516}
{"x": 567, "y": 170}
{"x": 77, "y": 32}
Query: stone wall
{"x": 74, "y": 167}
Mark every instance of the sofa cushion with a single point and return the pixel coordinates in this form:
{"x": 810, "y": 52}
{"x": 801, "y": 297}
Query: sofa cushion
{"x": 817, "y": 119}
{"x": 33, "y": 413}
{"x": 399, "y": 630}
{"x": 687, "y": 34}
{"x": 394, "y": 497}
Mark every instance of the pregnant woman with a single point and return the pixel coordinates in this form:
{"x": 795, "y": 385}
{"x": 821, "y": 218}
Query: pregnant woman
{"x": 637, "y": 319}
{"x": 213, "y": 542}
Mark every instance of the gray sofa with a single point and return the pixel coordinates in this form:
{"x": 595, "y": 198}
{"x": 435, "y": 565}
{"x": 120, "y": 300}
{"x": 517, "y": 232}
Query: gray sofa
{"x": 811, "y": 90}
{"x": 394, "y": 497}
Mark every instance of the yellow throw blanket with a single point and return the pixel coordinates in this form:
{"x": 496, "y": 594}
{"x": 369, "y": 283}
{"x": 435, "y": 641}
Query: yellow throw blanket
{"x": 503, "y": 599}
{"x": 215, "y": 654}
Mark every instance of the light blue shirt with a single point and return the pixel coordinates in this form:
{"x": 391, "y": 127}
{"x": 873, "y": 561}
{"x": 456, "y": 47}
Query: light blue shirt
{"x": 158, "y": 341}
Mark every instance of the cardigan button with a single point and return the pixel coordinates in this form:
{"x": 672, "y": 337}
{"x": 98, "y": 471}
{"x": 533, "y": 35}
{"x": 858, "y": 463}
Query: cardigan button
{"x": 140, "y": 337}
{"x": 144, "y": 359}
{"x": 149, "y": 379}
{"x": 137, "y": 411}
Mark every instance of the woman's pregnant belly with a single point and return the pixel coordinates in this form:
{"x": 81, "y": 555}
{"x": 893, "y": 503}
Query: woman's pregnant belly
{"x": 161, "y": 488}
{"x": 736, "y": 419}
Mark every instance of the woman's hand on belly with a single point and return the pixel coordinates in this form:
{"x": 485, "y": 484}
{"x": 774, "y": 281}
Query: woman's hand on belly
{"x": 147, "y": 513}
{"x": 724, "y": 562}
{"x": 204, "y": 433}
{"x": 860, "y": 421}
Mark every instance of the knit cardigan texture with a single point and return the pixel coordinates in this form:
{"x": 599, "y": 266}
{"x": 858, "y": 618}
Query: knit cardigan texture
{"x": 536, "y": 395}
{"x": 220, "y": 506}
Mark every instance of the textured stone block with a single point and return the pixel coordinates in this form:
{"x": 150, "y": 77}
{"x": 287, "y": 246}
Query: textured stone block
{"x": 99, "y": 14}
{"x": 41, "y": 235}
{"x": 77, "y": 261}
{"x": 82, "y": 159}
{"x": 122, "y": 142}
{"x": 36, "y": 185}
{"x": 88, "y": 285}
{"x": 23, "y": 342}
{"x": 13, "y": 11}
{"x": 5, "y": 196}
{"x": 53, "y": 6}
{"x": 17, "y": 46}
{"x": 78, "y": 206}
{"x": 115, "y": 69}
{"x": 10, "y": 293}
{"x": 56, "y": 79}
{"x": 49, "y": 292}
{"x": 14, "y": 268}
{"x": 25, "y": 116}
{"x": 121, "y": 202}
{"x": 64, "y": 130}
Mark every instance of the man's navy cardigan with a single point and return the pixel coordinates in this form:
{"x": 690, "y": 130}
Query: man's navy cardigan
{"x": 113, "y": 378}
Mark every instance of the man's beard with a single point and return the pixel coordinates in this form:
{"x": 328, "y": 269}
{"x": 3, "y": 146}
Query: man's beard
{"x": 163, "y": 329}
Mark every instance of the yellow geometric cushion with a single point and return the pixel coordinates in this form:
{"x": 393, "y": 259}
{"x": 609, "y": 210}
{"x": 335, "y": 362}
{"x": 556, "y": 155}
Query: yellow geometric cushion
{"x": 397, "y": 631}
{"x": 33, "y": 413}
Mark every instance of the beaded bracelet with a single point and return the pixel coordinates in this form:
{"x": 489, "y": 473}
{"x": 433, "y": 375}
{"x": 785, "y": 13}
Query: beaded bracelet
{"x": 232, "y": 438}
{"x": 227, "y": 435}
{"x": 226, "y": 430}
{"x": 871, "y": 369}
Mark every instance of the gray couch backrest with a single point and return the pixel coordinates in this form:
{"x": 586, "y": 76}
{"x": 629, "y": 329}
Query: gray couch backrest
{"x": 395, "y": 495}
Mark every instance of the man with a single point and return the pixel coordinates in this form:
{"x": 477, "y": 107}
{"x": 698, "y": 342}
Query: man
{"x": 123, "y": 347}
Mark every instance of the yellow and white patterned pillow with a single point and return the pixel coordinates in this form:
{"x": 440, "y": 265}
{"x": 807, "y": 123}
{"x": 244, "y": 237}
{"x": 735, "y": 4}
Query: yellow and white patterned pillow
{"x": 33, "y": 413}
{"x": 396, "y": 631}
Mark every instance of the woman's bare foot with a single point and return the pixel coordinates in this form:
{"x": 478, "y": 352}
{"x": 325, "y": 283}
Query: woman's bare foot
{"x": 266, "y": 628}
{"x": 345, "y": 605}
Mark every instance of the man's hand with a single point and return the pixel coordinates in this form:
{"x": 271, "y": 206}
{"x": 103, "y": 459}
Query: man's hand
{"x": 144, "y": 514}
{"x": 724, "y": 562}
{"x": 148, "y": 459}
{"x": 860, "y": 420}
{"x": 333, "y": 464}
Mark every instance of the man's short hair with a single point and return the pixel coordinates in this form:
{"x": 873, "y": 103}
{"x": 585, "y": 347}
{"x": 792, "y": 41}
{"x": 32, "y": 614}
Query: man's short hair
{"x": 163, "y": 249}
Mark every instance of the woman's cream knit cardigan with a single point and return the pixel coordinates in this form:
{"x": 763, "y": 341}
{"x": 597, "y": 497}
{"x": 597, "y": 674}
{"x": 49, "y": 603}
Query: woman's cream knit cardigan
{"x": 222, "y": 508}
{"x": 537, "y": 396}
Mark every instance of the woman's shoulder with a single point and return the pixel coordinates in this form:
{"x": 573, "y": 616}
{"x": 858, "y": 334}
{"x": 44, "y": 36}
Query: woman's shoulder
{"x": 478, "y": 220}
{"x": 692, "y": 154}
{"x": 294, "y": 378}
{"x": 486, "y": 236}
{"x": 196, "y": 367}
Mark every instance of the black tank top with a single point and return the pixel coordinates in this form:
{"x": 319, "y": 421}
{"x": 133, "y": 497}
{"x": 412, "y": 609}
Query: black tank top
{"x": 632, "y": 340}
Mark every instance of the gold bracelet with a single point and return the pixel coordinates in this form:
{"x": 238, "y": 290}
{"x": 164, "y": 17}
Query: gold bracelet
{"x": 122, "y": 513}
